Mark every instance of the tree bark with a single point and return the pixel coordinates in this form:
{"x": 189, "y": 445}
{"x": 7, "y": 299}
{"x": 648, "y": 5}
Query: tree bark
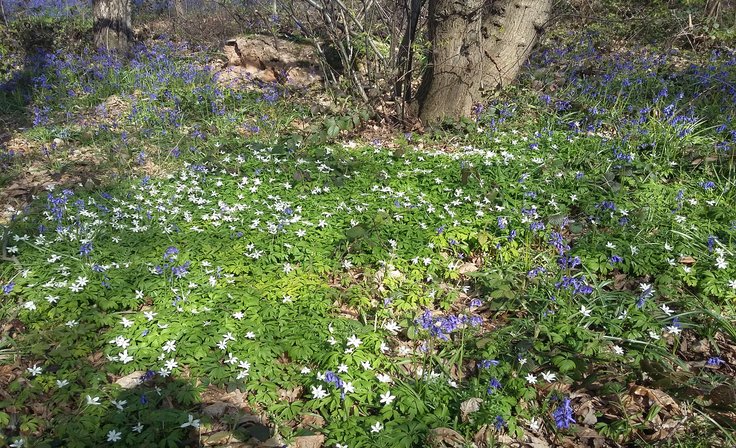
{"x": 179, "y": 8}
{"x": 402, "y": 85}
{"x": 477, "y": 46}
{"x": 112, "y": 27}
{"x": 178, "y": 14}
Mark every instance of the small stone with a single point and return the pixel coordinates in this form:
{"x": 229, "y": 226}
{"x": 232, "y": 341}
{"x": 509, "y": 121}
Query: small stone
{"x": 216, "y": 410}
{"x": 131, "y": 380}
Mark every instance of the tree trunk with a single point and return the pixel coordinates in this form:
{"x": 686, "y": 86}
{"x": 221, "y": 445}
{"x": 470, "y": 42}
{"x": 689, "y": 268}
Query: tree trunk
{"x": 402, "y": 85}
{"x": 179, "y": 8}
{"x": 477, "y": 46}
{"x": 112, "y": 26}
{"x": 178, "y": 14}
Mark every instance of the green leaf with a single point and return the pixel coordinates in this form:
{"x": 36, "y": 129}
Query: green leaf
{"x": 564, "y": 364}
{"x": 356, "y": 232}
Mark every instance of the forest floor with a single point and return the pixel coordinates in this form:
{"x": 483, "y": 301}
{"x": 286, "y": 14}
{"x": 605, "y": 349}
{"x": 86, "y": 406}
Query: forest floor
{"x": 188, "y": 263}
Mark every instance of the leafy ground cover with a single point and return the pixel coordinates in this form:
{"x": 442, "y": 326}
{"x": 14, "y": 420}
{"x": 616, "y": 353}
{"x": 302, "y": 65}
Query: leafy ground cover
{"x": 557, "y": 272}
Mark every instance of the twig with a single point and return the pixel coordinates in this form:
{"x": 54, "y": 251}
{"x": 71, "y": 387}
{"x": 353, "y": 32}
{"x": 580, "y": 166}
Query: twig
{"x": 353, "y": 19}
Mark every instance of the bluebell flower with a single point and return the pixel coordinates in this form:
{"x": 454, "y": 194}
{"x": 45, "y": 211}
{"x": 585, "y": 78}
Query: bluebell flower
{"x": 487, "y": 363}
{"x": 332, "y": 378}
{"x": 85, "y": 249}
{"x": 711, "y": 242}
{"x": 577, "y": 285}
{"x": 170, "y": 253}
{"x": 568, "y": 262}
{"x": 536, "y": 226}
{"x": 606, "y": 205}
{"x": 493, "y": 384}
{"x": 563, "y": 415}
{"x": 148, "y": 375}
{"x": 181, "y": 271}
{"x": 477, "y": 110}
{"x": 500, "y": 423}
{"x": 556, "y": 241}
{"x": 474, "y": 321}
{"x": 535, "y": 271}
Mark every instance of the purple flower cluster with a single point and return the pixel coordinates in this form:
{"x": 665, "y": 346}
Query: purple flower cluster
{"x": 85, "y": 249}
{"x": 8, "y": 288}
{"x": 488, "y": 363}
{"x": 568, "y": 262}
{"x": 442, "y": 326}
{"x": 493, "y": 384}
{"x": 576, "y": 284}
{"x": 556, "y": 241}
{"x": 332, "y": 378}
{"x": 177, "y": 271}
{"x": 563, "y": 415}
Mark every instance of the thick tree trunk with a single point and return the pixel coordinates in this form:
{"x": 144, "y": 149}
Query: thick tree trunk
{"x": 477, "y": 46}
{"x": 112, "y": 26}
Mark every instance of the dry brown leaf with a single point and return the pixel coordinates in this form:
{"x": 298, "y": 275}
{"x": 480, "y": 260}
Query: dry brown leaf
{"x": 586, "y": 410}
{"x": 312, "y": 421}
{"x": 313, "y": 441}
{"x": 445, "y": 438}
{"x": 217, "y": 409}
{"x": 8, "y": 373}
{"x": 131, "y": 380}
{"x": 702, "y": 346}
{"x": 590, "y": 437}
{"x": 663, "y": 431}
{"x": 291, "y": 395}
{"x": 619, "y": 282}
{"x": 723, "y": 395}
{"x": 481, "y": 437}
{"x": 236, "y": 397}
{"x": 533, "y": 441}
{"x": 651, "y": 397}
{"x": 467, "y": 267}
{"x": 218, "y": 438}
{"x": 469, "y": 406}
